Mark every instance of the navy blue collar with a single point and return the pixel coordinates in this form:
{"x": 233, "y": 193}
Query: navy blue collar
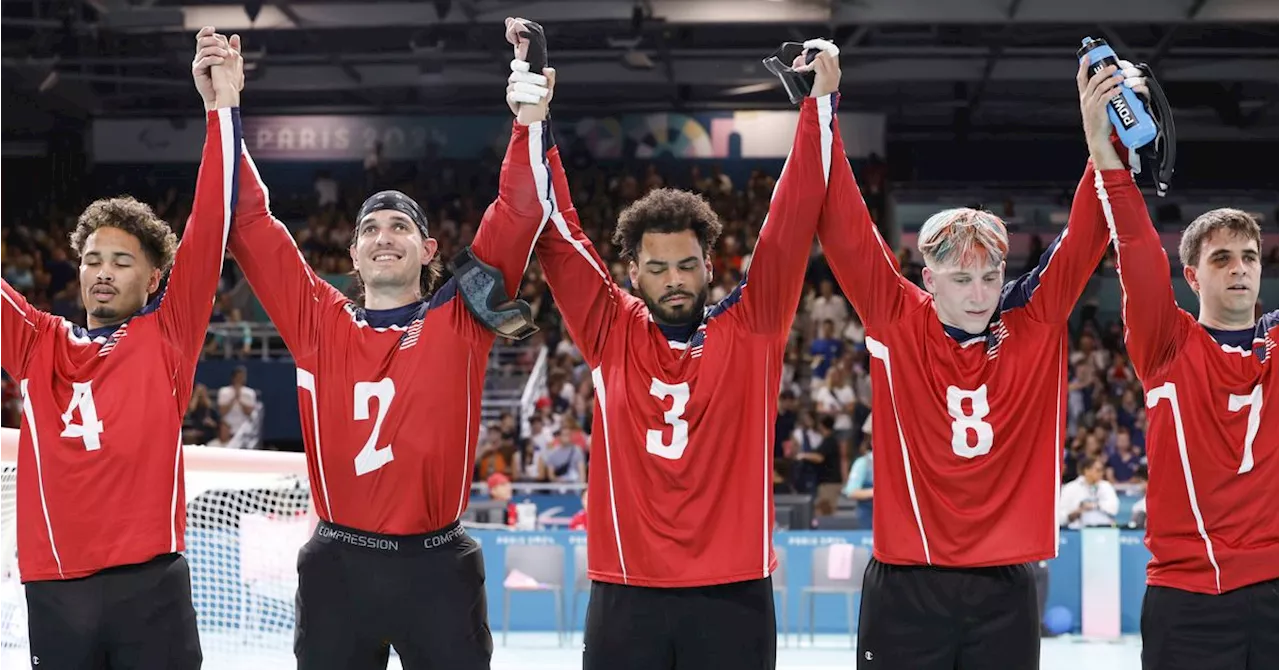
{"x": 961, "y": 336}
{"x": 680, "y": 333}
{"x": 396, "y": 316}
{"x": 1232, "y": 338}
{"x": 104, "y": 331}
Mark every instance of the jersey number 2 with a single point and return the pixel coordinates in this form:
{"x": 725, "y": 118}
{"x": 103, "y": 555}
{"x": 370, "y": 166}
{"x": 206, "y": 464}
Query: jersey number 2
{"x": 370, "y": 457}
{"x": 653, "y": 442}
{"x": 89, "y": 427}
{"x": 963, "y": 422}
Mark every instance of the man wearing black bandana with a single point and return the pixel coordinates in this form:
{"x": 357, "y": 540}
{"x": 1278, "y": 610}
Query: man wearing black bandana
{"x": 389, "y": 395}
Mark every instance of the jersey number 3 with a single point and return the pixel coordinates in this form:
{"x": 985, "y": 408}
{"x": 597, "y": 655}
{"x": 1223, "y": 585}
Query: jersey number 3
{"x": 963, "y": 422}
{"x": 653, "y": 440}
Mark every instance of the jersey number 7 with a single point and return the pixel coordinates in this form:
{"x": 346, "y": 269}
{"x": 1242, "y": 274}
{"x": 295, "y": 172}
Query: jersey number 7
{"x": 1235, "y": 403}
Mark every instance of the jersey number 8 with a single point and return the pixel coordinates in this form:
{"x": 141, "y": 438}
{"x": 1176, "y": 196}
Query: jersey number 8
{"x": 972, "y": 421}
{"x": 962, "y": 422}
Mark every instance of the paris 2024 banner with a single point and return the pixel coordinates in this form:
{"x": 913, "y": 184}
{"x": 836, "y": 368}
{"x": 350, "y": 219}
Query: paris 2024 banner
{"x": 712, "y": 135}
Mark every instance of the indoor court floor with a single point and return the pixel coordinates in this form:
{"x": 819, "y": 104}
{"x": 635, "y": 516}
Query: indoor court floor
{"x": 539, "y": 651}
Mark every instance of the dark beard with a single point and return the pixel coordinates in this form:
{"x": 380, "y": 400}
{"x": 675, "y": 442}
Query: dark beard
{"x": 104, "y": 313}
{"x": 667, "y": 316}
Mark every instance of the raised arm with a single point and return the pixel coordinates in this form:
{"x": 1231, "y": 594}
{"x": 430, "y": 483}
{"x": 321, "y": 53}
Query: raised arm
{"x": 295, "y": 298}
{"x": 293, "y": 295}
{"x": 21, "y": 325}
{"x": 770, "y": 289}
{"x": 1049, "y": 292}
{"x": 1154, "y": 327}
{"x": 862, "y": 263}
{"x": 513, "y": 221}
{"x": 184, "y": 309}
{"x": 584, "y": 292}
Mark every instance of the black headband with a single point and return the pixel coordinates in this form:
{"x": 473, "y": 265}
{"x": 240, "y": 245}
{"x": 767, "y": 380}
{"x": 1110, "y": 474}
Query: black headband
{"x": 397, "y": 201}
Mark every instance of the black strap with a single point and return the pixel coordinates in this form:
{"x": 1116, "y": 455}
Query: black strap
{"x": 1162, "y": 152}
{"x": 797, "y": 84}
{"x": 537, "y": 55}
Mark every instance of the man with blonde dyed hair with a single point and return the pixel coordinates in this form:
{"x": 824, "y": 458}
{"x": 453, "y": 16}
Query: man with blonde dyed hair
{"x": 1213, "y": 518}
{"x": 968, "y": 438}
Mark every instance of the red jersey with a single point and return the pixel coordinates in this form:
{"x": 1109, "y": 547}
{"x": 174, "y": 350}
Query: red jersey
{"x": 100, "y": 453}
{"x": 682, "y": 446}
{"x": 1213, "y": 519}
{"x": 390, "y": 407}
{"x": 968, "y": 434}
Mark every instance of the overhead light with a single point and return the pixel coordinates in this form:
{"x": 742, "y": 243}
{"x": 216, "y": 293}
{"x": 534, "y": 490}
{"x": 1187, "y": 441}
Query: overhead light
{"x": 637, "y": 60}
{"x": 49, "y": 82}
{"x": 252, "y": 8}
{"x": 748, "y": 89}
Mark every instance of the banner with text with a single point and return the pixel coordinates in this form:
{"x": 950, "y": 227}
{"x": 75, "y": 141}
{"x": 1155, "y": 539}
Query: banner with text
{"x": 710, "y": 135}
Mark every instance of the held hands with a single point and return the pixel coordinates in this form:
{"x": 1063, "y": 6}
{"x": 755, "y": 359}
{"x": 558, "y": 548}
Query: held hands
{"x": 528, "y": 93}
{"x": 1095, "y": 95}
{"x": 218, "y": 69}
{"x": 826, "y": 67}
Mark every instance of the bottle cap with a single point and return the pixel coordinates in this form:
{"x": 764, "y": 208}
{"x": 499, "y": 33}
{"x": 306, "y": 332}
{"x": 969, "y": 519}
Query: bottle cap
{"x": 1089, "y": 44}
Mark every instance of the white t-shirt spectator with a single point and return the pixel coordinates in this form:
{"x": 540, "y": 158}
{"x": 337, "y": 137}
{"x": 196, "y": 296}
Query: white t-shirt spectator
{"x": 1079, "y": 491}
{"x": 326, "y": 191}
{"x": 834, "y": 308}
{"x": 235, "y": 416}
{"x": 538, "y": 444}
{"x": 833, "y": 401}
{"x": 855, "y": 334}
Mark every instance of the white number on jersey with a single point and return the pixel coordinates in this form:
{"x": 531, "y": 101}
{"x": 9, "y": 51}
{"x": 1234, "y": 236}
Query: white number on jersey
{"x": 371, "y": 457}
{"x": 1235, "y": 403}
{"x": 969, "y": 421}
{"x": 679, "y": 393}
{"x": 89, "y": 427}
{"x": 1253, "y": 401}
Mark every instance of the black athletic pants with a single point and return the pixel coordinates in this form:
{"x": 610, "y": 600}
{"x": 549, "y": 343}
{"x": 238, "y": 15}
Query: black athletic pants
{"x": 930, "y": 618}
{"x": 692, "y": 628}
{"x": 360, "y": 593}
{"x": 1236, "y": 630}
{"x": 122, "y": 618}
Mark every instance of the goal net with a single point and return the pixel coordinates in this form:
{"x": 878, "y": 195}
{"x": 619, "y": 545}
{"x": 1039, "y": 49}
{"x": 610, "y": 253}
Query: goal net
{"x": 248, "y": 514}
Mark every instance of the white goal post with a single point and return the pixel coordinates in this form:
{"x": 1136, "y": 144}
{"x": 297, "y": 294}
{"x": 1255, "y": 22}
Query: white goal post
{"x": 248, "y": 513}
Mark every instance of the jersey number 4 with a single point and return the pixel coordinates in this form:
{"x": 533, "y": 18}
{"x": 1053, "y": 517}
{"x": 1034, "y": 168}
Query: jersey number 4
{"x": 371, "y": 457}
{"x": 90, "y": 427}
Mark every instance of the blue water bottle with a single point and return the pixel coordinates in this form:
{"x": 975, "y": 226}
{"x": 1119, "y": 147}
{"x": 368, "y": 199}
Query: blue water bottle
{"x": 1133, "y": 124}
